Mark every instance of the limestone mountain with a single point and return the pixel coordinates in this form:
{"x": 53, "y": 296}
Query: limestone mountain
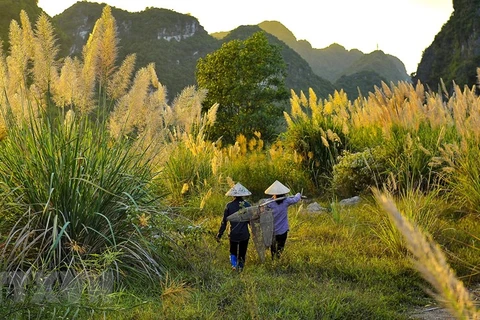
{"x": 331, "y": 61}
{"x": 359, "y": 83}
{"x": 11, "y": 11}
{"x": 174, "y": 42}
{"x": 385, "y": 65}
{"x": 171, "y": 40}
{"x": 454, "y": 54}
{"x": 335, "y": 61}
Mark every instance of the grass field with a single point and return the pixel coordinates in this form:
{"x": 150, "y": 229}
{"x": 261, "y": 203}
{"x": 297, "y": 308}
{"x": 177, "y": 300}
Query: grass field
{"x": 332, "y": 268}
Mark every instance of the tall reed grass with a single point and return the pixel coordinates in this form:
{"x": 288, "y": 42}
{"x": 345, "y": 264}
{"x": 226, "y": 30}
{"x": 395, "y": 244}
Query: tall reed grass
{"x": 316, "y": 132}
{"x": 408, "y": 123}
{"x": 419, "y": 208}
{"x": 77, "y": 195}
{"x": 72, "y": 193}
{"x": 431, "y": 263}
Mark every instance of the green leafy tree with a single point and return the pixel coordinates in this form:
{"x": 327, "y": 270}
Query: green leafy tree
{"x": 247, "y": 80}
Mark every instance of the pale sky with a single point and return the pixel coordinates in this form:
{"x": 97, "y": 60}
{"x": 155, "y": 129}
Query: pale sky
{"x": 402, "y": 28}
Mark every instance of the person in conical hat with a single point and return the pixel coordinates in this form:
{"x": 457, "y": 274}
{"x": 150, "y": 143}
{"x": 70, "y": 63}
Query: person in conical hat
{"x": 239, "y": 234}
{"x": 238, "y": 191}
{"x": 280, "y": 215}
{"x": 277, "y": 189}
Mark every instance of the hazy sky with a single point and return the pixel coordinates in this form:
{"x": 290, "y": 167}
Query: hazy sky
{"x": 403, "y": 28}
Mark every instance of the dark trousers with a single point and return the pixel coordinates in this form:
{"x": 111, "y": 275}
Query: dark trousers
{"x": 239, "y": 249}
{"x": 278, "y": 244}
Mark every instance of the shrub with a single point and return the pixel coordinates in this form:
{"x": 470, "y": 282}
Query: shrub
{"x": 356, "y": 173}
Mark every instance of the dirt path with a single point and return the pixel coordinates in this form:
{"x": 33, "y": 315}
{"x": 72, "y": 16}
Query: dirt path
{"x": 431, "y": 313}
{"x": 439, "y": 313}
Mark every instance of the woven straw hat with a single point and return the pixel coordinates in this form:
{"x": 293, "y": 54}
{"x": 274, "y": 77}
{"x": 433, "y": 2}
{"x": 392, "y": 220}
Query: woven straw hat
{"x": 277, "y": 188}
{"x": 238, "y": 191}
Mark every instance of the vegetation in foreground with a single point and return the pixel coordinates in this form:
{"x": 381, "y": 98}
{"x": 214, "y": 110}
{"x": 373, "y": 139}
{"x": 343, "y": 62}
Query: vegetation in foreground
{"x": 110, "y": 198}
{"x": 333, "y": 268}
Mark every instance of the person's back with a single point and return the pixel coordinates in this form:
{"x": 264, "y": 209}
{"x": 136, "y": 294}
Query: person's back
{"x": 279, "y": 208}
{"x": 238, "y": 230}
{"x": 239, "y": 234}
{"x": 280, "y": 213}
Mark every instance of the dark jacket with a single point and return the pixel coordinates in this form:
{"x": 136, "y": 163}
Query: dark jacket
{"x": 238, "y": 230}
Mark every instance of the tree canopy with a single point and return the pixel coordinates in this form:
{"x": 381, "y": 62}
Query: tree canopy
{"x": 247, "y": 80}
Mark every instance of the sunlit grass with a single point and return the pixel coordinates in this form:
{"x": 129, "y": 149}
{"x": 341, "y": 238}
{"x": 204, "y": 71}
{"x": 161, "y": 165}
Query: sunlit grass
{"x": 328, "y": 270}
{"x": 432, "y": 264}
{"x": 419, "y": 208}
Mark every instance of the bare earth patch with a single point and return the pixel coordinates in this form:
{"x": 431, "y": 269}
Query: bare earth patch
{"x": 431, "y": 313}
{"x": 439, "y": 313}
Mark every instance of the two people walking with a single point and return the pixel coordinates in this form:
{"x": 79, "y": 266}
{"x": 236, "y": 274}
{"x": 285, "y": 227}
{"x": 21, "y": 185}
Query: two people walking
{"x": 239, "y": 233}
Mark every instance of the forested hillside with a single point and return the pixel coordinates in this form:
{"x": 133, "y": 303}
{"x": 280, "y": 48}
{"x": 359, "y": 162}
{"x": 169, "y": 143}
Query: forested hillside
{"x": 454, "y": 54}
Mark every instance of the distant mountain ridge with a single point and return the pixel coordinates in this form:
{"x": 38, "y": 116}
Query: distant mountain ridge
{"x": 300, "y": 76}
{"x": 175, "y": 41}
{"x": 335, "y": 61}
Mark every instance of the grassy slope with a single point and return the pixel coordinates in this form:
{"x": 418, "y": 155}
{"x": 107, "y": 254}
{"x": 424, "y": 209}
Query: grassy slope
{"x": 331, "y": 269}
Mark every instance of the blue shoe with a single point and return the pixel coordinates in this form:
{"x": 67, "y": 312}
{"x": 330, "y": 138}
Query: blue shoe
{"x": 233, "y": 261}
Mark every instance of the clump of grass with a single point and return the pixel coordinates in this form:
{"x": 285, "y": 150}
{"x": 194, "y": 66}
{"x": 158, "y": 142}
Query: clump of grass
{"x": 460, "y": 170}
{"x": 78, "y": 194}
{"x": 431, "y": 263}
{"x": 316, "y": 132}
{"x": 418, "y": 208}
{"x": 188, "y": 171}
{"x": 461, "y": 243}
{"x": 174, "y": 292}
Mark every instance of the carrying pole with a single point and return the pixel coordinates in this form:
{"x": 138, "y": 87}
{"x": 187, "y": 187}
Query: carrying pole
{"x": 281, "y": 198}
{"x": 272, "y": 200}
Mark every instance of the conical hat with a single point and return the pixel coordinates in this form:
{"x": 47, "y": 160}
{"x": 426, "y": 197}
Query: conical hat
{"x": 277, "y": 188}
{"x": 238, "y": 191}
